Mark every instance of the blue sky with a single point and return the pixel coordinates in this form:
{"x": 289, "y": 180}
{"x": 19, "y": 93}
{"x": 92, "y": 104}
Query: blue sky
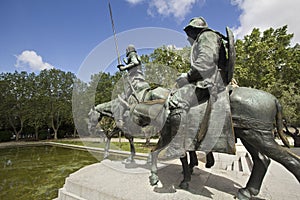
{"x": 38, "y": 34}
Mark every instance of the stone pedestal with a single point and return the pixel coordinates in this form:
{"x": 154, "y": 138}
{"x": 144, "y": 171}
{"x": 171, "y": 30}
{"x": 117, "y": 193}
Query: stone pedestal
{"x": 114, "y": 180}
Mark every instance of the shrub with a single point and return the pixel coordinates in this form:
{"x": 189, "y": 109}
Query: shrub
{"x": 5, "y": 135}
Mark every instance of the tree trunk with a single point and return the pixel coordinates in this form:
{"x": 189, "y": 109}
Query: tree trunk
{"x": 16, "y": 132}
{"x": 74, "y": 132}
{"x": 36, "y": 133}
{"x": 55, "y": 129}
{"x": 55, "y": 133}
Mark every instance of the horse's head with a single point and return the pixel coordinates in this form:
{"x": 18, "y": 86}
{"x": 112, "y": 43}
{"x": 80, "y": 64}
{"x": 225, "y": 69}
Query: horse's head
{"x": 94, "y": 118}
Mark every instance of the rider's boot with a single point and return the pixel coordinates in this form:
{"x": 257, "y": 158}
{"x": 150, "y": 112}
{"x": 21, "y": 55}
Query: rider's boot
{"x": 175, "y": 129}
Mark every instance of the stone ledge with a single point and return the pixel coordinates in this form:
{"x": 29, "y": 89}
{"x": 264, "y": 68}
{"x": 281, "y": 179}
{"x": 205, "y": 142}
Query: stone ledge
{"x": 112, "y": 180}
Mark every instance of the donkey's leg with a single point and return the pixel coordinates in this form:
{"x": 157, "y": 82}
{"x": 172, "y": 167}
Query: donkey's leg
{"x": 186, "y": 173}
{"x": 260, "y": 166}
{"x": 193, "y": 161}
{"x": 153, "y": 178}
{"x": 282, "y": 155}
{"x": 163, "y": 140}
{"x": 265, "y": 143}
{"x": 210, "y": 160}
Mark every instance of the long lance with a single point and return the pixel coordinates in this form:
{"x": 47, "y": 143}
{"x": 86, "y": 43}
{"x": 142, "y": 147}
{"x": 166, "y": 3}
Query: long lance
{"x": 114, "y": 31}
{"x": 116, "y": 44}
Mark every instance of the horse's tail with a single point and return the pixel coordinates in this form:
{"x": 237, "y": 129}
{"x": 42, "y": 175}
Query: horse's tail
{"x": 279, "y": 124}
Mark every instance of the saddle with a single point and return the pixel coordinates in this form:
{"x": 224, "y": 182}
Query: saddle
{"x": 149, "y": 112}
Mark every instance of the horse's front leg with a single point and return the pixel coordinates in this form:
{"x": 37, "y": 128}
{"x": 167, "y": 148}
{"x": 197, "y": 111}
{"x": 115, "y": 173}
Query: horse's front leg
{"x": 106, "y": 149}
{"x": 107, "y": 144}
{"x": 130, "y": 159}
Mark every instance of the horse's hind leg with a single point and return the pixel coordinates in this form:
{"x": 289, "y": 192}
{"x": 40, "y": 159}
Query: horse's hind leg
{"x": 260, "y": 166}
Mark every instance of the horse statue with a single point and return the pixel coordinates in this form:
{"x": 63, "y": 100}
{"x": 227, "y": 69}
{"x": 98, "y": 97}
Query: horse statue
{"x": 114, "y": 110}
{"x": 104, "y": 110}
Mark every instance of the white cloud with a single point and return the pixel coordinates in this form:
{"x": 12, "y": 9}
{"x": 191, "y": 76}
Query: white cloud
{"x": 169, "y": 8}
{"x": 32, "y": 60}
{"x": 176, "y": 8}
{"x": 134, "y": 1}
{"x": 264, "y": 14}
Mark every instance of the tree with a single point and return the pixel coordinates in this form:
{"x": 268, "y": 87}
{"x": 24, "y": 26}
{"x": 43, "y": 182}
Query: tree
{"x": 165, "y": 64}
{"x": 35, "y": 101}
{"x": 15, "y": 98}
{"x": 3, "y": 98}
{"x": 56, "y": 87}
{"x": 267, "y": 61}
{"x": 36, "y": 105}
{"x": 80, "y": 105}
{"x": 104, "y": 88}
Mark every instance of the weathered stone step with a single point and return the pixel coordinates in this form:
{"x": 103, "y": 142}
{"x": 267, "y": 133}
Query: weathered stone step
{"x": 111, "y": 180}
{"x": 65, "y": 195}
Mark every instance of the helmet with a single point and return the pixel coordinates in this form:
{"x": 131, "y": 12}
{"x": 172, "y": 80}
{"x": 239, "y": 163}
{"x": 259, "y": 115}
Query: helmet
{"x": 196, "y": 22}
{"x": 195, "y": 26}
{"x": 129, "y": 49}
